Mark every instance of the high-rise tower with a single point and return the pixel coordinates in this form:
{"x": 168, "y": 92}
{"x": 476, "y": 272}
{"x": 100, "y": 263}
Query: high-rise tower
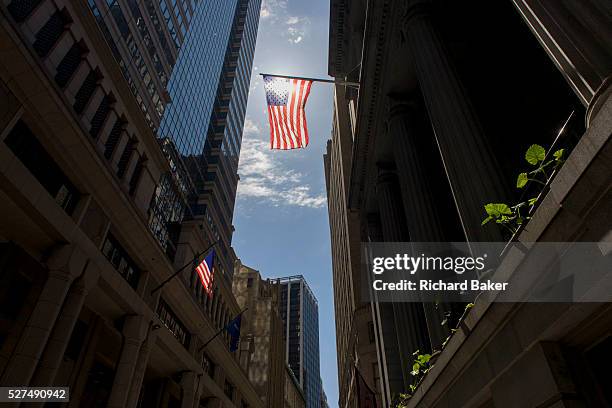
{"x": 300, "y": 312}
{"x": 189, "y": 67}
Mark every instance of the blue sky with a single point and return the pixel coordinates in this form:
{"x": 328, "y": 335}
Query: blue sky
{"x": 281, "y": 211}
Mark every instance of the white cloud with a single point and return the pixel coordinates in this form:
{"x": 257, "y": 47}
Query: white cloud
{"x": 264, "y": 178}
{"x": 250, "y": 127}
{"x": 271, "y": 8}
{"x": 297, "y": 28}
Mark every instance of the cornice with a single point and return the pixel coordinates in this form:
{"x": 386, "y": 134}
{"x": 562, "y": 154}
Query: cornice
{"x": 379, "y": 25}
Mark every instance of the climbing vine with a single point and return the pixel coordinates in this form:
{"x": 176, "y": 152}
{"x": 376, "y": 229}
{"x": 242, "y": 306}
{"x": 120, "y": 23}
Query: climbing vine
{"x": 511, "y": 217}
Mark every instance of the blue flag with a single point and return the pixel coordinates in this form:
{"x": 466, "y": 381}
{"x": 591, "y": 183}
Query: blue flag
{"x": 233, "y": 328}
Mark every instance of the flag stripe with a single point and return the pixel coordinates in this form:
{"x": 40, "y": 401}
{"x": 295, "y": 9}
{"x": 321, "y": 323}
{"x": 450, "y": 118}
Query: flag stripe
{"x": 292, "y": 109}
{"x": 205, "y": 271}
{"x": 304, "y": 118}
{"x": 300, "y": 113}
{"x": 286, "y": 103}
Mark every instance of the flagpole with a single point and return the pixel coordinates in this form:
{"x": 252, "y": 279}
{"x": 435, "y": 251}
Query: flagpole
{"x": 161, "y": 285}
{"x": 331, "y": 81}
{"x": 220, "y": 331}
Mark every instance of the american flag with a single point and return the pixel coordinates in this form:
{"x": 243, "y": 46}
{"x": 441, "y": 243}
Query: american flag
{"x": 205, "y": 271}
{"x": 286, "y": 100}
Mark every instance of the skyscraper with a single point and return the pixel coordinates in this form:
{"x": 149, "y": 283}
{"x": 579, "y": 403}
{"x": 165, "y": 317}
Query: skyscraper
{"x": 189, "y": 64}
{"x": 102, "y": 148}
{"x": 300, "y": 313}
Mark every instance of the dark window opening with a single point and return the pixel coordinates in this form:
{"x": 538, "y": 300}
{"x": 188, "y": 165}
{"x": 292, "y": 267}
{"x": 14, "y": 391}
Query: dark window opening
{"x": 77, "y": 340}
{"x": 124, "y": 160}
{"x": 97, "y": 122}
{"x": 172, "y": 322}
{"x": 119, "y": 258}
{"x": 50, "y": 33}
{"x": 113, "y": 138}
{"x": 33, "y": 156}
{"x": 21, "y": 9}
{"x": 69, "y": 64}
{"x": 86, "y": 91}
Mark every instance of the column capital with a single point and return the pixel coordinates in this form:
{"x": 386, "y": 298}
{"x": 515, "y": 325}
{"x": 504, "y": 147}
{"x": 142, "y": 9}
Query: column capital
{"x": 414, "y": 9}
{"x": 401, "y": 106}
{"x": 135, "y": 328}
{"x": 67, "y": 260}
{"x": 386, "y": 173}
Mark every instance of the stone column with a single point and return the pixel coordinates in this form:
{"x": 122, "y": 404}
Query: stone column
{"x": 473, "y": 175}
{"x": 62, "y": 331}
{"x": 141, "y": 366}
{"x": 410, "y": 323}
{"x": 419, "y": 204}
{"x": 134, "y": 330}
{"x": 64, "y": 265}
{"x": 403, "y": 127}
{"x": 190, "y": 389}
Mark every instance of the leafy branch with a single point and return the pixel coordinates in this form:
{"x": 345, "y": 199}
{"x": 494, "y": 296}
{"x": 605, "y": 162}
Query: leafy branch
{"x": 422, "y": 364}
{"x": 509, "y": 216}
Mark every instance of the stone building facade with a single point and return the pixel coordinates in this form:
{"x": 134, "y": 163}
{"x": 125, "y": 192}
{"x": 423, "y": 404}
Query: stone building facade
{"x": 451, "y": 95}
{"x": 263, "y": 345}
{"x": 79, "y": 262}
{"x": 294, "y": 397}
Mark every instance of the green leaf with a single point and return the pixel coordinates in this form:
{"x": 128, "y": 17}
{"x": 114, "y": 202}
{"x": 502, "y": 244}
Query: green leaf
{"x": 497, "y": 209}
{"x": 558, "y": 155}
{"x": 424, "y": 358}
{"x": 533, "y": 200}
{"x": 522, "y": 180}
{"x": 535, "y": 154}
{"x": 469, "y": 306}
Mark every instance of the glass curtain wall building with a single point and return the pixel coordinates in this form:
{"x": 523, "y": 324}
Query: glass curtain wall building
{"x": 300, "y": 313}
{"x": 188, "y": 63}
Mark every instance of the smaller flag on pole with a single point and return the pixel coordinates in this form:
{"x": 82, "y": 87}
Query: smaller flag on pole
{"x": 233, "y": 328}
{"x": 205, "y": 271}
{"x": 286, "y": 99}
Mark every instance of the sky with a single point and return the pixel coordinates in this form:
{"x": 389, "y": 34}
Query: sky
{"x": 281, "y": 210}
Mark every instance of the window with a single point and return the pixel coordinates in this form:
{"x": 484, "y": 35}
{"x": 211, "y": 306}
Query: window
{"x": 249, "y": 282}
{"x": 20, "y": 9}
{"x": 119, "y": 258}
{"x": 172, "y": 322}
{"x": 85, "y": 91}
{"x": 113, "y": 138}
{"x": 48, "y": 35}
{"x": 229, "y": 389}
{"x": 32, "y": 154}
{"x": 140, "y": 166}
{"x": 376, "y": 376}
{"x": 371, "y": 334}
{"x": 69, "y": 64}
{"x": 124, "y": 160}
{"x": 97, "y": 122}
